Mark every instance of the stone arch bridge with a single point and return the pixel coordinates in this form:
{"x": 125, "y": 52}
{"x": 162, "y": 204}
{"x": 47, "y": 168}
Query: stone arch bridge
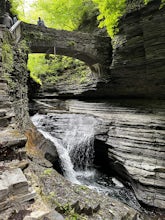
{"x": 92, "y": 49}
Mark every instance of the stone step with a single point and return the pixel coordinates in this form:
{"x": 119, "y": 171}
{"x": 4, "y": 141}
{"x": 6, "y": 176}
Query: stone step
{"x": 31, "y": 194}
{"x": 17, "y": 182}
{"x": 3, "y": 86}
{"x": 10, "y": 138}
{"x": 3, "y": 112}
{"x": 14, "y": 188}
{"x": 5, "y": 121}
{"x": 11, "y": 144}
{"x": 41, "y": 215}
{"x": 6, "y": 116}
{"x": 13, "y": 182}
{"x": 4, "y": 98}
{"x": 5, "y": 104}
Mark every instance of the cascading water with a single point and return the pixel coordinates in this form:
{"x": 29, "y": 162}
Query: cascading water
{"x": 74, "y": 142}
{"x": 67, "y": 165}
{"x": 73, "y": 137}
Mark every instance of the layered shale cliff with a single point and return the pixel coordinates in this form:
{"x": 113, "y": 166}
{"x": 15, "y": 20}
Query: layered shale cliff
{"x": 130, "y": 141}
{"x": 138, "y": 53}
{"x": 13, "y": 93}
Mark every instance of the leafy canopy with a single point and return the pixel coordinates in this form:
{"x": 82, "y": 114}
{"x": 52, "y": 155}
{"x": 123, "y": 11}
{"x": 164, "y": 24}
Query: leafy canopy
{"x": 110, "y": 12}
{"x": 69, "y": 14}
{"x": 49, "y": 69}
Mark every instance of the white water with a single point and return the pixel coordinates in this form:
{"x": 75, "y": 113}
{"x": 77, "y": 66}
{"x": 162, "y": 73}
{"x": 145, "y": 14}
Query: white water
{"x": 66, "y": 164}
{"x": 75, "y": 146}
{"x": 73, "y": 137}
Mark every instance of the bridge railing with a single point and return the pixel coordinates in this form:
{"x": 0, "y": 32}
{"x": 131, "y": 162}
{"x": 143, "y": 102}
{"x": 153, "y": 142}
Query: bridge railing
{"x": 15, "y": 30}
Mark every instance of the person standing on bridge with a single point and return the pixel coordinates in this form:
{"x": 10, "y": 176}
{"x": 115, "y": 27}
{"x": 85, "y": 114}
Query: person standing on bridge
{"x": 7, "y": 20}
{"x": 40, "y": 22}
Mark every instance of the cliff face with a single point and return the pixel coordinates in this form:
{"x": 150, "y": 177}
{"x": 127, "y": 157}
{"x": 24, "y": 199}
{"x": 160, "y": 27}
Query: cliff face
{"x": 137, "y": 68}
{"x": 139, "y": 52}
{"x": 132, "y": 131}
{"x": 15, "y": 124}
{"x": 13, "y": 95}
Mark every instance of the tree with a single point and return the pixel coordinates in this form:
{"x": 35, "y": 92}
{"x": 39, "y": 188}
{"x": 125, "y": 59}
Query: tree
{"x": 110, "y": 12}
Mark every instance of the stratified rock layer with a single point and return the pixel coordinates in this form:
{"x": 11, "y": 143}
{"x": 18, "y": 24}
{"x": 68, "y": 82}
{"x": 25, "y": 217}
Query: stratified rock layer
{"x": 14, "y": 187}
{"x": 138, "y": 54}
{"x": 134, "y": 134}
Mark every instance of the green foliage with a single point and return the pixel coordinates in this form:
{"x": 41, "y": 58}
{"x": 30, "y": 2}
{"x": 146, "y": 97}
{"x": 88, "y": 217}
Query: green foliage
{"x": 162, "y": 4}
{"x": 60, "y": 14}
{"x": 18, "y": 8}
{"x": 146, "y": 1}
{"x": 7, "y": 56}
{"x": 110, "y": 12}
{"x": 23, "y": 46}
{"x": 69, "y": 14}
{"x": 70, "y": 213}
{"x": 47, "y": 171}
{"x": 80, "y": 188}
{"x": 49, "y": 69}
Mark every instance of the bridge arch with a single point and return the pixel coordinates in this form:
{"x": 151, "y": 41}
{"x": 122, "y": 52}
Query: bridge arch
{"x": 94, "y": 50}
{"x": 89, "y": 48}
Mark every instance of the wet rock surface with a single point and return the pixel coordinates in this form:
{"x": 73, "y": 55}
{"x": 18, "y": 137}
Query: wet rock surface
{"x": 14, "y": 188}
{"x": 135, "y": 141}
{"x": 63, "y": 196}
{"x": 133, "y": 134}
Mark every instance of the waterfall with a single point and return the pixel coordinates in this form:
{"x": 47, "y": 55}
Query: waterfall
{"x": 73, "y": 136}
{"x": 74, "y": 141}
{"x": 66, "y": 164}
{"x": 78, "y": 139}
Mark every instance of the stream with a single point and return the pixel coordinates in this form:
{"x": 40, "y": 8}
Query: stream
{"x": 73, "y": 135}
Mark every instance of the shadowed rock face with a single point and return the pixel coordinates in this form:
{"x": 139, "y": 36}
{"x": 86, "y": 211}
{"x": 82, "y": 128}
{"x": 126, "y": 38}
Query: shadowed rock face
{"x": 138, "y": 53}
{"x": 2, "y": 9}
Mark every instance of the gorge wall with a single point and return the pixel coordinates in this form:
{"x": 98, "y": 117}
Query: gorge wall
{"x": 13, "y": 94}
{"x": 138, "y": 53}
{"x": 15, "y": 124}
